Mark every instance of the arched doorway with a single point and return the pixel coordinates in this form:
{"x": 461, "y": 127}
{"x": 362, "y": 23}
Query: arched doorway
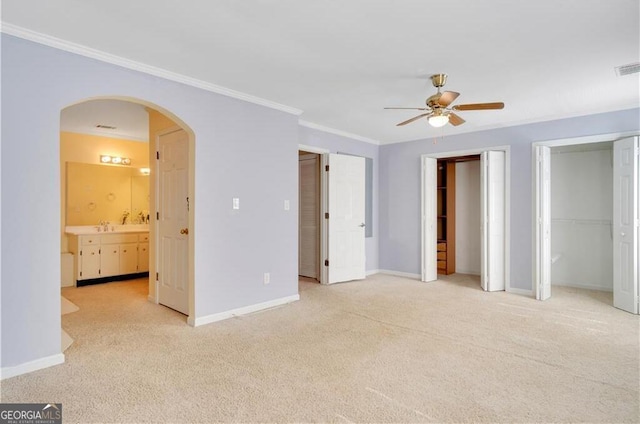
{"x": 95, "y": 128}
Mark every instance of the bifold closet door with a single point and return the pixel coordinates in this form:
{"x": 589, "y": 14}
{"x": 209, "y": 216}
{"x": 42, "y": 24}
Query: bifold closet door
{"x": 429, "y": 219}
{"x": 493, "y": 189}
{"x": 543, "y": 222}
{"x": 625, "y": 224}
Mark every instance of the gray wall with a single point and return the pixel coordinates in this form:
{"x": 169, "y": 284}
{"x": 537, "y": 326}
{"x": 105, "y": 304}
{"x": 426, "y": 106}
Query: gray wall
{"x": 400, "y": 185}
{"x": 241, "y": 150}
{"x": 336, "y": 143}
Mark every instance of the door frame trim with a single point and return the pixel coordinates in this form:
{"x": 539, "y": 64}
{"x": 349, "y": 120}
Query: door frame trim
{"x": 535, "y": 202}
{"x": 324, "y": 202}
{"x": 507, "y": 202}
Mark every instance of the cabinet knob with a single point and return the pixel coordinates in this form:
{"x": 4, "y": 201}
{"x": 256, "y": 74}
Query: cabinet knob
{"x": 184, "y": 231}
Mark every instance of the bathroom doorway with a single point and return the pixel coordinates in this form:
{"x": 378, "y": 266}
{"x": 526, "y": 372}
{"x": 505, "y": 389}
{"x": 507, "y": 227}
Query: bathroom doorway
{"x": 129, "y": 130}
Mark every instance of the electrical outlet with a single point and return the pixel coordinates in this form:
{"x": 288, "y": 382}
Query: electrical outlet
{"x": 267, "y": 278}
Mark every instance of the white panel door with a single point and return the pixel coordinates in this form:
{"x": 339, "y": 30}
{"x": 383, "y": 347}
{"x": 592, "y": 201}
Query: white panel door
{"x": 429, "y": 219}
{"x": 493, "y": 262}
{"x": 309, "y": 216}
{"x": 346, "y": 218}
{"x": 173, "y": 203}
{"x": 543, "y": 222}
{"x": 625, "y": 224}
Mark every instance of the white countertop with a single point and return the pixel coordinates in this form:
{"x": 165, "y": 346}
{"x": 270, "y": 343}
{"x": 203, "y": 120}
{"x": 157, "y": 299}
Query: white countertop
{"x": 113, "y": 229}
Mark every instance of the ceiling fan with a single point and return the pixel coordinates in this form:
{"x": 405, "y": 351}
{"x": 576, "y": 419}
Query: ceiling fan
{"x": 438, "y": 111}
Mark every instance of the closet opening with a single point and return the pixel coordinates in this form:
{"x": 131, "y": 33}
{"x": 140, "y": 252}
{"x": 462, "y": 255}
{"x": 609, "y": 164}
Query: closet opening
{"x": 458, "y": 216}
{"x": 581, "y": 217}
{"x": 587, "y": 205}
{"x": 465, "y": 216}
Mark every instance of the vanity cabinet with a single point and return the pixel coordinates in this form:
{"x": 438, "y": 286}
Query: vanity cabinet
{"x": 143, "y": 257}
{"x": 109, "y": 256}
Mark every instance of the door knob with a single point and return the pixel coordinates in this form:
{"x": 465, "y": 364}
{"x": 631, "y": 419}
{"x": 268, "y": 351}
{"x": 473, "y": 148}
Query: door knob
{"x": 362, "y": 225}
{"x": 184, "y": 231}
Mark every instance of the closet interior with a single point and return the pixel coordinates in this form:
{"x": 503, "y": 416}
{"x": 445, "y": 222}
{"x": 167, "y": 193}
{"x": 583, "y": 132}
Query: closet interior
{"x": 581, "y": 216}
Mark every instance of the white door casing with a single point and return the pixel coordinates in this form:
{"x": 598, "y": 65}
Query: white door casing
{"x": 173, "y": 204}
{"x": 429, "y": 219}
{"x": 543, "y": 222}
{"x": 493, "y": 263}
{"x": 346, "y": 218}
{"x": 626, "y": 224}
{"x": 309, "y": 216}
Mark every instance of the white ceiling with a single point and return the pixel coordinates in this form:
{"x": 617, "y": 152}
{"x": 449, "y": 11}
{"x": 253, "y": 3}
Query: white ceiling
{"x": 342, "y": 61}
{"x": 131, "y": 120}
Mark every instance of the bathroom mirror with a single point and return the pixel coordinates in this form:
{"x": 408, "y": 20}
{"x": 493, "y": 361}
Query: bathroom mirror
{"x": 94, "y": 193}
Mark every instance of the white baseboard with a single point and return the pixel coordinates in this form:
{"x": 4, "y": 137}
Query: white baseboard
{"x": 372, "y": 271}
{"x": 242, "y": 311}
{"x": 582, "y": 286}
{"x": 400, "y": 274}
{"x": 27, "y": 367}
{"x": 523, "y": 292}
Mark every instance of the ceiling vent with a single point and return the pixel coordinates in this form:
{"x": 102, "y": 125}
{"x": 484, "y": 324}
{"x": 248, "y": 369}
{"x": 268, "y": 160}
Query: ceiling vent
{"x": 632, "y": 68}
{"x": 106, "y": 127}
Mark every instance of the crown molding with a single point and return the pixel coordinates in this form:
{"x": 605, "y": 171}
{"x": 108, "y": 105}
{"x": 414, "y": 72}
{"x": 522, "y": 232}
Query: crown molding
{"x": 337, "y": 132}
{"x": 89, "y": 52}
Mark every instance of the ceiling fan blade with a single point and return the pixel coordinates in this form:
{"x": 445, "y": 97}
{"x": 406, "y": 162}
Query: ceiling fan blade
{"x": 447, "y": 97}
{"x": 455, "y": 119}
{"x": 479, "y": 106}
{"x": 408, "y": 121}
{"x": 412, "y": 108}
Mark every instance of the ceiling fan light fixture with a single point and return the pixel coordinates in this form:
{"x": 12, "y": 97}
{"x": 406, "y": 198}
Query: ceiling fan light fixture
{"x": 438, "y": 120}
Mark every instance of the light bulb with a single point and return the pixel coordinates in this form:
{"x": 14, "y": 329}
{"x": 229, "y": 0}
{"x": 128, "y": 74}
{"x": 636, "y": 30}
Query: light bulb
{"x": 438, "y": 120}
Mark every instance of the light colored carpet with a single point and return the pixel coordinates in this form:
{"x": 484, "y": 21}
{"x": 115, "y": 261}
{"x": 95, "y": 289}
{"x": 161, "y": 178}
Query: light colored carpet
{"x": 65, "y": 341}
{"x": 386, "y": 349}
{"x": 66, "y": 306}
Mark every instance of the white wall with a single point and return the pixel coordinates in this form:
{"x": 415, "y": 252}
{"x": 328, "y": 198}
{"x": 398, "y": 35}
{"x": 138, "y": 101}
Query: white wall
{"x": 468, "y": 241}
{"x": 581, "y": 215}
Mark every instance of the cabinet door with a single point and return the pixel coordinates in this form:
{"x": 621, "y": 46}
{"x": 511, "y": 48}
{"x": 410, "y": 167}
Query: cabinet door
{"x": 128, "y": 258}
{"x": 143, "y": 257}
{"x": 109, "y": 260}
{"x": 89, "y": 262}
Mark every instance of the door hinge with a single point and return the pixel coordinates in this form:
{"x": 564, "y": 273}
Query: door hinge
{"x": 157, "y": 276}
{"x": 326, "y": 262}
{"x": 81, "y": 273}
{"x": 81, "y": 253}
{"x": 99, "y": 251}
{"x": 326, "y": 215}
{"x": 157, "y": 216}
{"x": 158, "y": 155}
{"x": 326, "y": 168}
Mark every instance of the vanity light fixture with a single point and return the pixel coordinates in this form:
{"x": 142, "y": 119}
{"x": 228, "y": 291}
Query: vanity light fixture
{"x": 116, "y": 160}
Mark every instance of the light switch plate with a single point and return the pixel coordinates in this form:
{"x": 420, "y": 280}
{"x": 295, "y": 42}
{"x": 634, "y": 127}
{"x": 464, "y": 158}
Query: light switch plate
{"x": 287, "y": 205}
{"x": 236, "y": 203}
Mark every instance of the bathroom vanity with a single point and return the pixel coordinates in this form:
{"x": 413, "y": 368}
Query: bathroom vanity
{"x": 100, "y": 256}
